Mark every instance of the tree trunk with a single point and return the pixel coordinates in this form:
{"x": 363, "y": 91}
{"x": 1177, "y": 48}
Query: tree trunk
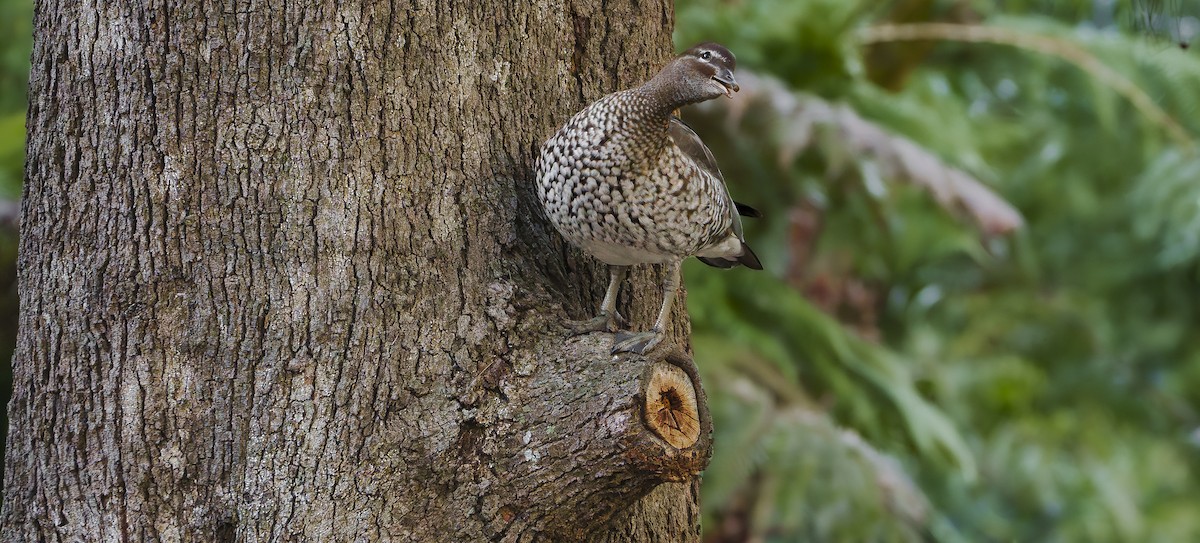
{"x": 284, "y": 278}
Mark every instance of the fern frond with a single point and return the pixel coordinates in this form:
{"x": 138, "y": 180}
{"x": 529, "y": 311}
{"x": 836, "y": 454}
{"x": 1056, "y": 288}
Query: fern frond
{"x": 798, "y": 117}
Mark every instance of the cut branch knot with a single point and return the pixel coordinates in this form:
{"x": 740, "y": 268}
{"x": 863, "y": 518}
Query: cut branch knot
{"x": 670, "y": 406}
{"x": 595, "y": 434}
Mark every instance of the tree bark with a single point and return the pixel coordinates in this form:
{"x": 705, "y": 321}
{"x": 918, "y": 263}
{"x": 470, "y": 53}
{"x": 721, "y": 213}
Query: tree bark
{"x": 284, "y": 278}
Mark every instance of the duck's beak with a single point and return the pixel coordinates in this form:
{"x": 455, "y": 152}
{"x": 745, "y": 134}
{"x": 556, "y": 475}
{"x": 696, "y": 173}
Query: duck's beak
{"x": 725, "y": 78}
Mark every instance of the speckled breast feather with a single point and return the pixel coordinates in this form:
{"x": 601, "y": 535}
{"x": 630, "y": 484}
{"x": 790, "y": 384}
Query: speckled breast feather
{"x": 613, "y": 183}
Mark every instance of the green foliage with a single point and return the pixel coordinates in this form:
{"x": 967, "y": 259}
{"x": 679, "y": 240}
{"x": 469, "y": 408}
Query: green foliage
{"x": 1169, "y": 186}
{"x": 756, "y": 429}
{"x": 15, "y": 42}
{"x": 874, "y": 389}
{"x": 804, "y": 40}
{"x": 1059, "y": 363}
{"x": 12, "y": 154}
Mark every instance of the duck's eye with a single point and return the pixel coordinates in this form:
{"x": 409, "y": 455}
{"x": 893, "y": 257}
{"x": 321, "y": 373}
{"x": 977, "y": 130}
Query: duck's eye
{"x": 706, "y": 55}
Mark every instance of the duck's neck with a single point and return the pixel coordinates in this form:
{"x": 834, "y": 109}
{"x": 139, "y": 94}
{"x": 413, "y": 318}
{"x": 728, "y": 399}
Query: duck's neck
{"x": 664, "y": 93}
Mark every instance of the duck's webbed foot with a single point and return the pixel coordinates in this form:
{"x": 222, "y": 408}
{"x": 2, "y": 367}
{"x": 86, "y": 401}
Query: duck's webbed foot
{"x": 643, "y": 342}
{"x": 604, "y": 322}
{"x": 636, "y": 342}
{"x": 608, "y": 320}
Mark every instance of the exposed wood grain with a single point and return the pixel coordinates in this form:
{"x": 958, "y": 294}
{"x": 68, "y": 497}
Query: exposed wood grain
{"x": 670, "y": 406}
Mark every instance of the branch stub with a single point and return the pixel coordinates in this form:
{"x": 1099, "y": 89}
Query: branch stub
{"x": 670, "y": 406}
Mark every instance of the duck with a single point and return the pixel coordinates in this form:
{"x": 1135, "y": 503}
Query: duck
{"x": 629, "y": 183}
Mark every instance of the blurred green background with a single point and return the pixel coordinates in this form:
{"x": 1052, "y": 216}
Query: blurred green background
{"x": 921, "y": 362}
{"x": 979, "y": 319}
{"x": 15, "y": 30}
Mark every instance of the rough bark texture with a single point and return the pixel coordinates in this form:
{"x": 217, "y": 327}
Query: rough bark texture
{"x": 284, "y": 279}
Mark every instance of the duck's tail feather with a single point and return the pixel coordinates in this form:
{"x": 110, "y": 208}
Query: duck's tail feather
{"x": 747, "y": 259}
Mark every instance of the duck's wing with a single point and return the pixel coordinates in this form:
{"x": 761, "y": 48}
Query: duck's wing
{"x": 686, "y": 139}
{"x": 689, "y": 142}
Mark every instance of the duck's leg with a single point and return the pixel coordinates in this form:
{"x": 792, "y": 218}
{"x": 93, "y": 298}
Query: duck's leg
{"x": 642, "y": 342}
{"x": 608, "y": 318}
